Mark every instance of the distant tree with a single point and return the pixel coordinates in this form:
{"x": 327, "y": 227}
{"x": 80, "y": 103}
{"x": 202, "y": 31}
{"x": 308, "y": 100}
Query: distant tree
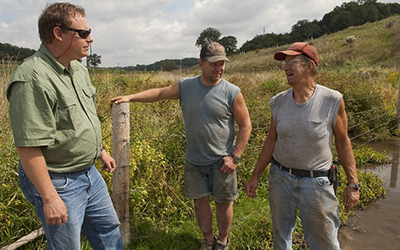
{"x": 230, "y": 43}
{"x": 208, "y": 35}
{"x": 383, "y": 10}
{"x": 358, "y": 14}
{"x": 189, "y": 62}
{"x": 266, "y": 41}
{"x": 169, "y": 65}
{"x": 304, "y": 30}
{"x": 94, "y": 60}
{"x": 341, "y": 21}
{"x": 394, "y": 8}
{"x": 371, "y": 14}
{"x": 258, "y": 42}
{"x": 362, "y": 2}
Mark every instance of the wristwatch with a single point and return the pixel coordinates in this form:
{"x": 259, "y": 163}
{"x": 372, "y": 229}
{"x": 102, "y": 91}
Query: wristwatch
{"x": 356, "y": 186}
{"x": 235, "y": 158}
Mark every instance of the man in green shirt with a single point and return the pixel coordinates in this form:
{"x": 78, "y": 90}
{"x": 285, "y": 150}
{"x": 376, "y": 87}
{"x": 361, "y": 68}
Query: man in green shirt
{"x": 58, "y": 135}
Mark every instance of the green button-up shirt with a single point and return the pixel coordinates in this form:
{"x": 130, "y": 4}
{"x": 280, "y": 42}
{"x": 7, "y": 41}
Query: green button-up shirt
{"x": 54, "y": 108}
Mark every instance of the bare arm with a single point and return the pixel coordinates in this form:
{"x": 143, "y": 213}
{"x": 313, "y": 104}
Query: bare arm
{"x": 264, "y": 159}
{"x": 35, "y": 167}
{"x": 346, "y": 157}
{"x": 242, "y": 118}
{"x": 150, "y": 95}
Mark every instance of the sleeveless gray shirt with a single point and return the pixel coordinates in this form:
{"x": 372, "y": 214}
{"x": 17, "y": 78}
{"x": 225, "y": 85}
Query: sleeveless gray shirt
{"x": 305, "y": 131}
{"x": 208, "y": 117}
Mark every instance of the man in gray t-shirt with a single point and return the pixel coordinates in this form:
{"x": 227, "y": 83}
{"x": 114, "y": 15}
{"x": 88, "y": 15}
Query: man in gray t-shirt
{"x": 210, "y": 106}
{"x": 299, "y": 144}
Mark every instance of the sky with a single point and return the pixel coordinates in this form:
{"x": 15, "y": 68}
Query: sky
{"x": 131, "y": 32}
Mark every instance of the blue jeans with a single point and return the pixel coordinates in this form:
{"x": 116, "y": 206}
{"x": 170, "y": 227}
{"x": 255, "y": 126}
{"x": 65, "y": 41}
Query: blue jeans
{"x": 318, "y": 206}
{"x": 89, "y": 209}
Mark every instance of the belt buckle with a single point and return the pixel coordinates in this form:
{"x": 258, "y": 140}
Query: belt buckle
{"x": 290, "y": 171}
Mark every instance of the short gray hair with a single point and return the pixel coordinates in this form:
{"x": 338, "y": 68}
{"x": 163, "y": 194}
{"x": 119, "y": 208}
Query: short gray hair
{"x": 307, "y": 59}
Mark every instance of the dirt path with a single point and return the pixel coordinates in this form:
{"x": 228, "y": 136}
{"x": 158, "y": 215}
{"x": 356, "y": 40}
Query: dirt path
{"x": 379, "y": 226}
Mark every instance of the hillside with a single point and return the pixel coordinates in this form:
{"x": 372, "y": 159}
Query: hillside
{"x": 375, "y": 45}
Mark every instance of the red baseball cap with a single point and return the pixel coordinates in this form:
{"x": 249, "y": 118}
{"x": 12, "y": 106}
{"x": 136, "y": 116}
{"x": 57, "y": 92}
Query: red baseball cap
{"x": 298, "y": 48}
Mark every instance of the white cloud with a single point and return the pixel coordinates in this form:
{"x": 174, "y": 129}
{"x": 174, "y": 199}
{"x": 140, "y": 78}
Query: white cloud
{"x": 127, "y": 32}
{"x": 3, "y": 26}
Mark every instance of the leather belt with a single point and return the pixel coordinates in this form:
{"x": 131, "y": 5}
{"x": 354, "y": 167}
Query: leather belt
{"x": 301, "y": 173}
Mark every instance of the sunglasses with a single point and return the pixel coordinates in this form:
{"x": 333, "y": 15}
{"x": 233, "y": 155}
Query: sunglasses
{"x": 81, "y": 33}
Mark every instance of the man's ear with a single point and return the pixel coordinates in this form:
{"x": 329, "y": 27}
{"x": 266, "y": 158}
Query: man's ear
{"x": 311, "y": 66}
{"x": 58, "y": 33}
{"x": 200, "y": 64}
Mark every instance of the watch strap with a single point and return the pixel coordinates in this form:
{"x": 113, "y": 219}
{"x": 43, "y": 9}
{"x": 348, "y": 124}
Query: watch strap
{"x": 356, "y": 186}
{"x": 235, "y": 158}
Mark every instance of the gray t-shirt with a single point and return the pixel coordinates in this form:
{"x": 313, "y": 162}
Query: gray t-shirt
{"x": 305, "y": 131}
{"x": 208, "y": 116}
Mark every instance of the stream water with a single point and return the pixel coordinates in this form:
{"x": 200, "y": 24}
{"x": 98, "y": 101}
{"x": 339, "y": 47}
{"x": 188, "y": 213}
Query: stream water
{"x": 388, "y": 173}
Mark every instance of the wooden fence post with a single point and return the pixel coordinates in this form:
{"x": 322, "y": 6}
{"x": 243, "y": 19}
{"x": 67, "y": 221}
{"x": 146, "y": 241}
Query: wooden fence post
{"x": 398, "y": 108}
{"x": 120, "y": 180}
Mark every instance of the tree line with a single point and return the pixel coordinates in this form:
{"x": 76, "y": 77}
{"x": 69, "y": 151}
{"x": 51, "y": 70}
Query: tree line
{"x": 13, "y": 53}
{"x": 168, "y": 64}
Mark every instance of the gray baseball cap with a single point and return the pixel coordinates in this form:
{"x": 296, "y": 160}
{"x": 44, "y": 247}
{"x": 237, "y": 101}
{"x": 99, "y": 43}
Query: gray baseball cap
{"x": 213, "y": 52}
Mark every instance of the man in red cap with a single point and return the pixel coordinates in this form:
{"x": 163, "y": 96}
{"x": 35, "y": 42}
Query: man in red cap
{"x": 210, "y": 107}
{"x": 299, "y": 145}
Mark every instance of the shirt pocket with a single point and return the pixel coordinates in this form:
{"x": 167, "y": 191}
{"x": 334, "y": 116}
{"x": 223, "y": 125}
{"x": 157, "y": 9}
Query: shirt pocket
{"x": 318, "y": 128}
{"x": 89, "y": 91}
{"x": 66, "y": 113}
{"x": 88, "y": 99}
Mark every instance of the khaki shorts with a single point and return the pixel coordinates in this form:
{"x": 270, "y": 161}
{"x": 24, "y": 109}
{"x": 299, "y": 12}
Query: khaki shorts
{"x": 203, "y": 181}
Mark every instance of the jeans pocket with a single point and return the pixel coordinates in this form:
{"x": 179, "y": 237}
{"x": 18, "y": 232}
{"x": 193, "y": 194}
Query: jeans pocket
{"x": 323, "y": 181}
{"x": 60, "y": 181}
{"x": 276, "y": 177}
